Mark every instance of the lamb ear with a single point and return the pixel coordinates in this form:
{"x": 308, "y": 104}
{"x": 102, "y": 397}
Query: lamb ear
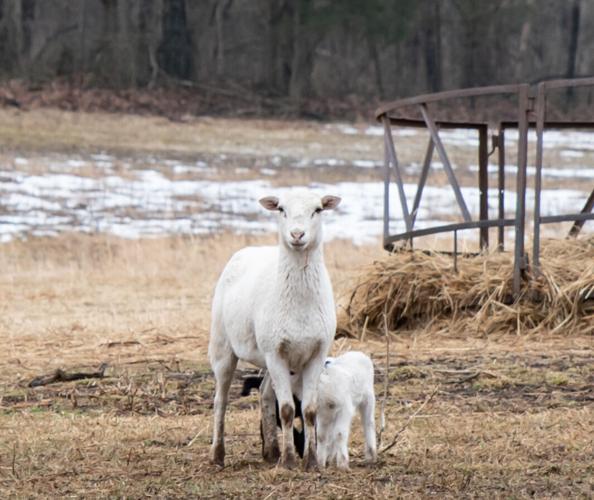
{"x": 330, "y": 202}
{"x": 269, "y": 202}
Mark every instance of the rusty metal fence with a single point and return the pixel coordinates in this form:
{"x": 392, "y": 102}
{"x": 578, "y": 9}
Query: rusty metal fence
{"x": 531, "y": 106}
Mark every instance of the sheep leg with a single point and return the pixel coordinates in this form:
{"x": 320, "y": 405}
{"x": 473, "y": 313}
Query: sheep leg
{"x": 270, "y": 449}
{"x": 341, "y": 442}
{"x": 223, "y": 365}
{"x": 280, "y": 376}
{"x": 323, "y": 448}
{"x": 311, "y": 376}
{"x": 367, "y": 411}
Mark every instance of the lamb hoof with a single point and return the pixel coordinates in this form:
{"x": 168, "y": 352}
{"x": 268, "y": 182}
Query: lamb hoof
{"x": 370, "y": 456}
{"x": 310, "y": 463}
{"x": 342, "y": 465}
{"x": 217, "y": 455}
{"x": 288, "y": 461}
{"x": 271, "y": 454}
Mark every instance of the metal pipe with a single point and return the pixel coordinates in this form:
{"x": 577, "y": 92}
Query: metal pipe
{"x": 446, "y": 162}
{"x": 394, "y": 160}
{"x": 501, "y": 186}
{"x": 577, "y": 225}
{"x": 456, "y": 251}
{"x": 519, "y": 255}
{"x": 540, "y": 121}
{"x": 447, "y": 94}
{"x": 453, "y": 227}
{"x": 483, "y": 158}
{"x": 386, "y": 190}
{"x": 422, "y": 179}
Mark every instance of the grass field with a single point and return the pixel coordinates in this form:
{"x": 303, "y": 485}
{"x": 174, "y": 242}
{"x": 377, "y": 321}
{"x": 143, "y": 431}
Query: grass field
{"x": 510, "y": 416}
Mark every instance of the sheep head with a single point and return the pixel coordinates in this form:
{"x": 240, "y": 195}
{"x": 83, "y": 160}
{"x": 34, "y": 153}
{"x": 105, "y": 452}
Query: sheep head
{"x": 299, "y": 217}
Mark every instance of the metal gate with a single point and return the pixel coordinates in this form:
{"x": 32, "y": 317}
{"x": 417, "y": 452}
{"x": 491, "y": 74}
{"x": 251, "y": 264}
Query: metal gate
{"x": 531, "y": 103}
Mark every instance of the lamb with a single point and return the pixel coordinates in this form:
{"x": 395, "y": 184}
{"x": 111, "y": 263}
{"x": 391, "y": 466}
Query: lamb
{"x": 274, "y": 307}
{"x": 346, "y": 385}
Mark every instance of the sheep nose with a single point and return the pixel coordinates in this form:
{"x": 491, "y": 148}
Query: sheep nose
{"x": 297, "y": 235}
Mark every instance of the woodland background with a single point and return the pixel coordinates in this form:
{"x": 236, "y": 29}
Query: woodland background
{"x": 350, "y": 52}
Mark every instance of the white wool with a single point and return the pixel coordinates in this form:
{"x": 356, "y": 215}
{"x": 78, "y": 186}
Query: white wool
{"x": 274, "y": 307}
{"x": 346, "y": 386}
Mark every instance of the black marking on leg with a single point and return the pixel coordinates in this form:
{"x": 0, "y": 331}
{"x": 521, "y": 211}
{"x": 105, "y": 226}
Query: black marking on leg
{"x": 287, "y": 414}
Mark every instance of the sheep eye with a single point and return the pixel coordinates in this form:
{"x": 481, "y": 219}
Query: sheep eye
{"x": 282, "y": 211}
{"x": 317, "y": 211}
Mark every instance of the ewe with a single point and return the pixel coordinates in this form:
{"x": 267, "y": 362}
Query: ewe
{"x": 346, "y": 385}
{"x": 273, "y": 307}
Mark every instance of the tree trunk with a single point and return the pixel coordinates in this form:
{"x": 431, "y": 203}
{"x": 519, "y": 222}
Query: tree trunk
{"x": 375, "y": 59}
{"x": 303, "y": 46}
{"x": 432, "y": 36}
{"x": 574, "y": 33}
{"x": 219, "y": 20}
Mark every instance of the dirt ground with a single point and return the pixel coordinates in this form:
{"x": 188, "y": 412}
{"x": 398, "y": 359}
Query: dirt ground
{"x": 496, "y": 417}
{"x": 511, "y": 416}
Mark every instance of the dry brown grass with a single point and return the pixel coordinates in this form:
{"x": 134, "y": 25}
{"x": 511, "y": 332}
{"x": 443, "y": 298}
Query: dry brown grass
{"x": 55, "y": 130}
{"x": 68, "y": 300}
{"x": 512, "y": 417}
{"x": 424, "y": 290}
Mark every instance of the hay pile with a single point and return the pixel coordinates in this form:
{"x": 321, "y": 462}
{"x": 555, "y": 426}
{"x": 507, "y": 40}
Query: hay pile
{"x": 421, "y": 290}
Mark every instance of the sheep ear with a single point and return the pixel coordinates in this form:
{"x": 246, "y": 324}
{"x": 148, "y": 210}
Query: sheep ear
{"x": 269, "y": 202}
{"x": 330, "y": 202}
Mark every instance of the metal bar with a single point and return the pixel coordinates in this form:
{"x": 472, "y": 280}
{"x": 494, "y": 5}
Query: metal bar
{"x": 501, "y": 186}
{"x": 540, "y": 120}
{"x": 448, "y": 94}
{"x": 455, "y": 251}
{"x": 428, "y": 231}
{"x": 568, "y": 82}
{"x": 477, "y": 91}
{"x": 578, "y": 224}
{"x": 483, "y": 185}
{"x": 417, "y": 233}
{"x": 386, "y": 190}
{"x": 441, "y": 124}
{"x": 446, "y": 162}
{"x": 394, "y": 160}
{"x": 552, "y": 125}
{"x": 520, "y": 225}
{"x": 582, "y": 217}
{"x": 422, "y": 179}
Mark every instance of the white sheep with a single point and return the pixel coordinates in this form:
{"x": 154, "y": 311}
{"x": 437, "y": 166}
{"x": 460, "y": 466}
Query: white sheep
{"x": 346, "y": 385}
{"x": 274, "y": 307}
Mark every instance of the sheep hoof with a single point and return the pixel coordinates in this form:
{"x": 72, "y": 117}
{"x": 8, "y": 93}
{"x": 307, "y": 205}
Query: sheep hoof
{"x": 310, "y": 463}
{"x": 271, "y": 453}
{"x": 217, "y": 455}
{"x": 288, "y": 461}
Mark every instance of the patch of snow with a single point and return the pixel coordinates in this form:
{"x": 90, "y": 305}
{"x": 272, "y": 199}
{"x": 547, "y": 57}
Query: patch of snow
{"x": 331, "y": 162}
{"x": 367, "y": 163}
{"x": 577, "y": 172}
{"x": 568, "y": 153}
